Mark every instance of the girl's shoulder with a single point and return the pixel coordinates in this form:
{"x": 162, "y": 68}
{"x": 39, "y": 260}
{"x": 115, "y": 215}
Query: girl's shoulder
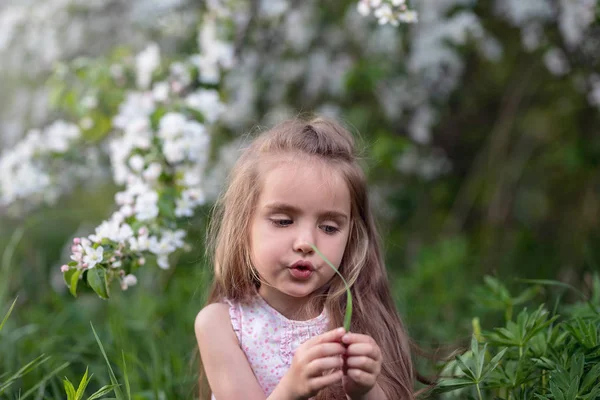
{"x": 222, "y": 316}
{"x": 212, "y": 318}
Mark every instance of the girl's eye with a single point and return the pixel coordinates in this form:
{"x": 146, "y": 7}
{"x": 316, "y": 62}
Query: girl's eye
{"x": 281, "y": 222}
{"x": 329, "y": 229}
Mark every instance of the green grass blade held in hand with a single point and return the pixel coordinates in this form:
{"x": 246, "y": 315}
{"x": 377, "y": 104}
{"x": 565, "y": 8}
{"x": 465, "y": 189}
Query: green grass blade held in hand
{"x": 348, "y": 315}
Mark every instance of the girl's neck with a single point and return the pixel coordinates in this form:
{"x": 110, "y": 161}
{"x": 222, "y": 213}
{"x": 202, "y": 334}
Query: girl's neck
{"x": 293, "y": 308}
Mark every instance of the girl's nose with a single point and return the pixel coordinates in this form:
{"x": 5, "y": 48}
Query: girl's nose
{"x": 303, "y": 242}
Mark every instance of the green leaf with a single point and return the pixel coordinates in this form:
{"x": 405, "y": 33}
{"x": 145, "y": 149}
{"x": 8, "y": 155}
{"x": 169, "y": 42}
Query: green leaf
{"x": 82, "y": 385}
{"x": 166, "y": 204}
{"x": 8, "y": 314}
{"x": 576, "y": 371}
{"x": 96, "y": 278}
{"x": 72, "y": 279}
{"x": 465, "y": 368}
{"x": 27, "y": 368}
{"x": 591, "y": 377}
{"x": 111, "y": 373}
{"x": 69, "y": 389}
{"x": 573, "y": 389}
{"x": 544, "y": 363}
{"x": 348, "y": 316}
{"x": 102, "y": 391}
{"x": 526, "y": 295}
{"x": 494, "y": 362}
{"x": 447, "y": 385}
{"x": 556, "y": 392}
{"x": 35, "y": 388}
{"x": 478, "y": 357}
{"x": 125, "y": 376}
{"x": 594, "y": 393}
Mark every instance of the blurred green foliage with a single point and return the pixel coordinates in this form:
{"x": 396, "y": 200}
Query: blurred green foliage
{"x": 522, "y": 200}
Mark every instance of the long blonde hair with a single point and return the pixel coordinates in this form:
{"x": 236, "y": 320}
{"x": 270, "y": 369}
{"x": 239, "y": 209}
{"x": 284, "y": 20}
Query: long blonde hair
{"x": 362, "y": 266}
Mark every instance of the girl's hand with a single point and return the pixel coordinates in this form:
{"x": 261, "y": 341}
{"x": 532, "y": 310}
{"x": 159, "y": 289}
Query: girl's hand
{"x": 362, "y": 366}
{"x": 311, "y": 366}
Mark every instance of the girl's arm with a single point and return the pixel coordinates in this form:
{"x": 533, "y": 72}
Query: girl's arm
{"x": 226, "y": 366}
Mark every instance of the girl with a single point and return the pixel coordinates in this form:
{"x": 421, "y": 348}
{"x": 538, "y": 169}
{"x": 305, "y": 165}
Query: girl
{"x": 271, "y": 328}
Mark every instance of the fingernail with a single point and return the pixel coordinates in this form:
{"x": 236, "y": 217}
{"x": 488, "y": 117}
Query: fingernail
{"x": 341, "y": 330}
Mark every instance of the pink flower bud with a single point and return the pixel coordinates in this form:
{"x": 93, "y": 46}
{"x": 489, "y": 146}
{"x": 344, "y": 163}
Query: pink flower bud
{"x": 75, "y": 248}
{"x": 64, "y": 268}
{"x": 141, "y": 261}
{"x": 77, "y": 240}
{"x": 84, "y": 265}
{"x": 143, "y": 231}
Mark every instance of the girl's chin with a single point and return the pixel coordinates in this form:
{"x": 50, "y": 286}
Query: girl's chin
{"x": 297, "y": 291}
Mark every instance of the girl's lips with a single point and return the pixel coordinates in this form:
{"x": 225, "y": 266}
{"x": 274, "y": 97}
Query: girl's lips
{"x": 301, "y": 274}
{"x": 302, "y": 269}
{"x": 301, "y": 264}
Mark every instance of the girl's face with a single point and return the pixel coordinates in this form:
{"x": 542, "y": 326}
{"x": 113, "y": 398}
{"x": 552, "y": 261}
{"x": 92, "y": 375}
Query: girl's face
{"x": 303, "y": 201}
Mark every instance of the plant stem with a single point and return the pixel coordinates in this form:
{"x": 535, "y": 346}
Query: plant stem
{"x": 478, "y": 391}
{"x": 543, "y": 382}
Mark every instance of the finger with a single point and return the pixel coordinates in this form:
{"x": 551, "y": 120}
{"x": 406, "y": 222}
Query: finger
{"x": 363, "y": 363}
{"x": 364, "y": 349}
{"x": 351, "y": 337}
{"x": 334, "y": 335}
{"x": 320, "y": 365}
{"x": 320, "y": 382}
{"x": 362, "y": 378}
{"x": 324, "y": 350}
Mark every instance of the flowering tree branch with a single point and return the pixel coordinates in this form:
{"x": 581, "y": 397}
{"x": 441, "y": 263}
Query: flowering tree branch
{"x": 159, "y": 153}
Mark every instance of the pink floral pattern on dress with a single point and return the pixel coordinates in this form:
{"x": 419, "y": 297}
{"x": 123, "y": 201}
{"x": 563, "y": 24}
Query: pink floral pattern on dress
{"x": 269, "y": 339}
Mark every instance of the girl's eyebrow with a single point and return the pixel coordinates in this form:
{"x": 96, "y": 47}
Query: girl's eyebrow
{"x": 287, "y": 208}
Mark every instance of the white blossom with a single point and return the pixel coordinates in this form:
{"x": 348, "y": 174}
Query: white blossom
{"x": 92, "y": 256}
{"x": 171, "y": 125}
{"x": 153, "y": 171}
{"x": 130, "y": 280}
{"x": 363, "y": 8}
{"x": 163, "y": 261}
{"x": 146, "y": 206}
{"x": 387, "y": 12}
{"x": 24, "y": 174}
{"x": 556, "y": 62}
{"x": 575, "y": 17}
{"x": 160, "y": 91}
{"x": 147, "y": 61}
{"x": 207, "y": 102}
{"x": 136, "y": 162}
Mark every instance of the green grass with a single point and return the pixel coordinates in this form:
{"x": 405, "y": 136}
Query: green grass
{"x": 142, "y": 339}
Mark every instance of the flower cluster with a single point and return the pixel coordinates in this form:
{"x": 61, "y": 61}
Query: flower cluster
{"x": 30, "y": 169}
{"x": 388, "y": 12}
{"x": 158, "y": 153}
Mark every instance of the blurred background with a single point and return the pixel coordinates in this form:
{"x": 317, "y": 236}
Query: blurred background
{"x": 480, "y": 130}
